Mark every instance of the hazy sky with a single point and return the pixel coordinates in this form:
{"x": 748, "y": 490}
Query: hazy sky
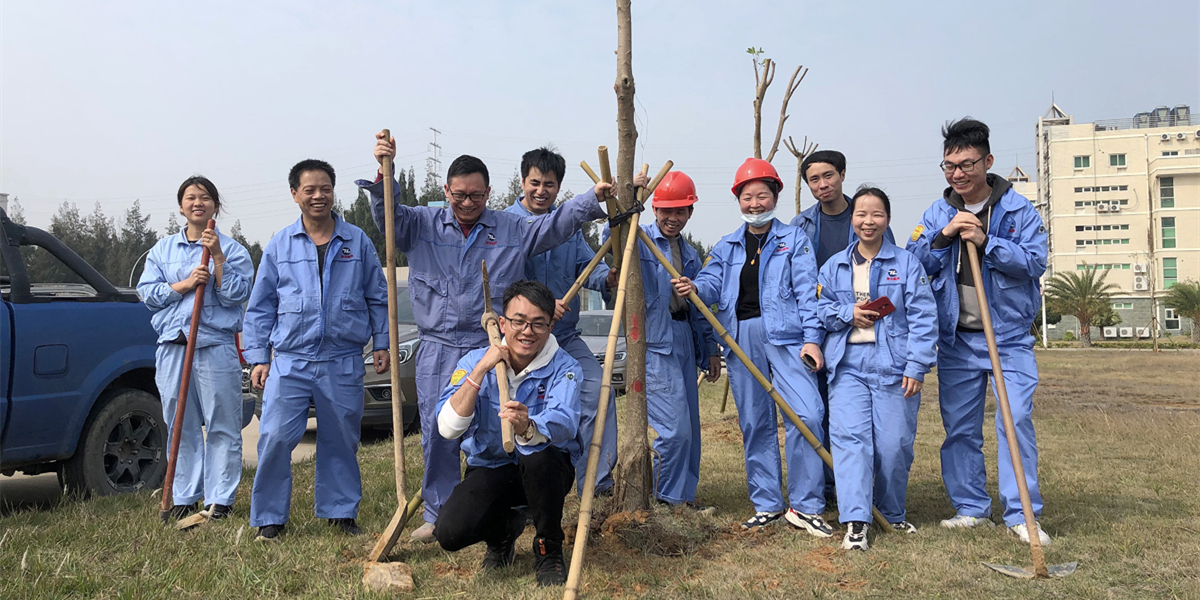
{"x": 118, "y": 101}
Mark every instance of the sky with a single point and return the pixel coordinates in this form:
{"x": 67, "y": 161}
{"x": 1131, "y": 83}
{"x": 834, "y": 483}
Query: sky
{"x": 121, "y": 101}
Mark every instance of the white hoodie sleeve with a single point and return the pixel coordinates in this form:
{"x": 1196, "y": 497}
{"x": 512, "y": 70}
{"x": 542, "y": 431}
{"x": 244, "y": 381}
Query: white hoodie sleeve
{"x": 451, "y": 424}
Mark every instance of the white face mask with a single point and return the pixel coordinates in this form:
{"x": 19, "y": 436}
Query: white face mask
{"x": 760, "y": 219}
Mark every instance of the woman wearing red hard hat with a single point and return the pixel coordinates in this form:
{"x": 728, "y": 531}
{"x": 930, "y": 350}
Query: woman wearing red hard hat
{"x": 763, "y": 278}
{"x": 678, "y": 341}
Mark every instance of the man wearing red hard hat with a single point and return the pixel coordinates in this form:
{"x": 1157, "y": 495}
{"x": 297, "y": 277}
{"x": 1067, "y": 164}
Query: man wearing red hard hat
{"x": 678, "y": 341}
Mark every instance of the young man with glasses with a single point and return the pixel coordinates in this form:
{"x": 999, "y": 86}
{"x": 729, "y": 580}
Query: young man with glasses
{"x": 544, "y": 382}
{"x": 981, "y": 208}
{"x": 445, "y": 249}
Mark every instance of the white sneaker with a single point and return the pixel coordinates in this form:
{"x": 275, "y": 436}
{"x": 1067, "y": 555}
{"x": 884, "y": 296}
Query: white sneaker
{"x": 904, "y": 527}
{"x": 856, "y": 536}
{"x": 1020, "y": 531}
{"x": 424, "y": 533}
{"x": 813, "y": 524}
{"x": 964, "y": 522}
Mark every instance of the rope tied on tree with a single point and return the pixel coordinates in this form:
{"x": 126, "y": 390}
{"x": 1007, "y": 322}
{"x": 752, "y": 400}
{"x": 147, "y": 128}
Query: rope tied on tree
{"x": 619, "y": 218}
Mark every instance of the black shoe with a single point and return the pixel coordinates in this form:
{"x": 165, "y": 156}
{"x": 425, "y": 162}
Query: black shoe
{"x": 269, "y": 533}
{"x": 548, "y": 562}
{"x": 180, "y": 511}
{"x": 348, "y": 526}
{"x": 501, "y": 555}
{"x": 217, "y": 512}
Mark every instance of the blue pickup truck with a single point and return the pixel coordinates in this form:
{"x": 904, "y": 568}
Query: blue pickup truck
{"x": 77, "y": 391}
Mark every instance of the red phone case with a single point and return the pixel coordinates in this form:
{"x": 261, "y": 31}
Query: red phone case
{"x": 881, "y": 305}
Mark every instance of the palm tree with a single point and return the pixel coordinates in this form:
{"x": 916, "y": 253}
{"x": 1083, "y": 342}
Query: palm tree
{"x": 1185, "y": 299}
{"x": 1082, "y": 294}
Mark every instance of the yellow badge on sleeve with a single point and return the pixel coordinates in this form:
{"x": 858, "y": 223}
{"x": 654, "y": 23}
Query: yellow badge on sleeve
{"x": 917, "y": 232}
{"x": 819, "y": 288}
{"x": 458, "y": 376}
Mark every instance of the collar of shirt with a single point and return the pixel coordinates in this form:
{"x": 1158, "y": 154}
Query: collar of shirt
{"x": 542, "y": 359}
{"x": 486, "y": 218}
{"x": 340, "y": 228}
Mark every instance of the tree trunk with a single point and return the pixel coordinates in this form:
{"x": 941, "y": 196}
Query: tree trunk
{"x": 1085, "y": 335}
{"x": 799, "y": 183}
{"x": 633, "y": 481}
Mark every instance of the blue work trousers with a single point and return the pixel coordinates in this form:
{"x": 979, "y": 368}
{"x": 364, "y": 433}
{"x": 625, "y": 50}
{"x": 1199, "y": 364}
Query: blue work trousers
{"x": 209, "y": 464}
{"x": 335, "y": 389}
{"x": 443, "y": 467}
{"x": 673, "y": 410}
{"x": 589, "y": 401}
{"x": 872, "y": 427}
{"x": 963, "y": 373}
{"x": 757, "y": 416}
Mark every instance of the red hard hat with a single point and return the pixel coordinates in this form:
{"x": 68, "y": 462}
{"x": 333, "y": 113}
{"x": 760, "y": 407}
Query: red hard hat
{"x": 753, "y": 169}
{"x": 676, "y": 189}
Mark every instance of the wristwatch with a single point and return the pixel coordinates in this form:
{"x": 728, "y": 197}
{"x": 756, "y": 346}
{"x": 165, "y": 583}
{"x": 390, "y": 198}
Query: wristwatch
{"x": 529, "y": 432}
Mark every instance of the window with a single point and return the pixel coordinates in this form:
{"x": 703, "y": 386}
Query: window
{"x": 1168, "y": 232}
{"x": 1172, "y": 320}
{"x": 1166, "y": 192}
{"x": 1170, "y": 272}
{"x": 1122, "y": 305}
{"x": 1083, "y": 162}
{"x": 1165, "y": 153}
{"x": 1116, "y": 160}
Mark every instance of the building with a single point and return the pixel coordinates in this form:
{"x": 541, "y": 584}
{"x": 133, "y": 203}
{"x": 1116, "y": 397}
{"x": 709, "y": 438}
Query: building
{"x": 1123, "y": 195}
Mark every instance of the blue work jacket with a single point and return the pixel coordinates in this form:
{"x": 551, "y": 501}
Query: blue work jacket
{"x": 558, "y": 268}
{"x": 297, "y": 315}
{"x": 787, "y": 283}
{"x": 551, "y": 393}
{"x": 171, "y": 260}
{"x": 444, "y": 273}
{"x": 809, "y": 220}
{"x": 1013, "y": 262}
{"x": 906, "y": 340}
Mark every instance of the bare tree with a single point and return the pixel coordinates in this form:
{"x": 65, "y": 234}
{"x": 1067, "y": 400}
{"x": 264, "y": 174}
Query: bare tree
{"x": 762, "y": 80}
{"x": 800, "y": 153}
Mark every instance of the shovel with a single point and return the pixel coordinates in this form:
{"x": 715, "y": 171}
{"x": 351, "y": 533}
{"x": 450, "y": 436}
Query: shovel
{"x": 177, "y": 427}
{"x": 1040, "y": 570}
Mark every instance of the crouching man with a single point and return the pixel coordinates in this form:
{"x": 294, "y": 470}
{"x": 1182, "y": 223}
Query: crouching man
{"x": 497, "y": 488}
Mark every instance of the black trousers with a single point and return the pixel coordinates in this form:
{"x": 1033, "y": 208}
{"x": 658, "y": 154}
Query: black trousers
{"x": 481, "y": 506}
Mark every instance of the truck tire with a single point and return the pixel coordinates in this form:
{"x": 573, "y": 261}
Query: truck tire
{"x": 123, "y": 447}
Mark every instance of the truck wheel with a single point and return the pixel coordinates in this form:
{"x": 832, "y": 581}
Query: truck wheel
{"x": 123, "y": 447}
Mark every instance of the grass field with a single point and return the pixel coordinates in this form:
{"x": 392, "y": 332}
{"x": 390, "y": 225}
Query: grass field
{"x": 1120, "y": 474}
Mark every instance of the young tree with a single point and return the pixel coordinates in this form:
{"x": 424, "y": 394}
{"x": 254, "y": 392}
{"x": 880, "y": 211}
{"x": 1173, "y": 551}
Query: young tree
{"x": 431, "y": 190}
{"x": 16, "y": 213}
{"x": 255, "y": 250}
{"x": 1184, "y": 297}
{"x": 172, "y": 224}
{"x": 510, "y": 195}
{"x": 701, "y": 248}
{"x": 134, "y": 240}
{"x": 1082, "y": 294}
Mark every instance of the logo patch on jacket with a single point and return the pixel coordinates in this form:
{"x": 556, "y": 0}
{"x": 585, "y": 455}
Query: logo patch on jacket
{"x": 893, "y": 275}
{"x": 917, "y": 232}
{"x": 541, "y": 393}
{"x": 570, "y": 376}
{"x": 491, "y": 239}
{"x": 924, "y": 281}
{"x": 457, "y": 376}
{"x": 346, "y": 253}
{"x": 782, "y": 247}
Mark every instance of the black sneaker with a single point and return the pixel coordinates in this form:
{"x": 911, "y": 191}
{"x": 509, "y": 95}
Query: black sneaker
{"x": 269, "y": 533}
{"x": 217, "y": 512}
{"x": 180, "y": 511}
{"x": 760, "y": 519}
{"x": 548, "y": 562}
{"x": 904, "y": 527}
{"x": 501, "y": 555}
{"x": 813, "y": 524}
{"x": 347, "y": 526}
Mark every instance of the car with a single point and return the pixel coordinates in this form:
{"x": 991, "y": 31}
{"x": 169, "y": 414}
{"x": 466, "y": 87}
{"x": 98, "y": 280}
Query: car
{"x": 377, "y": 388}
{"x": 595, "y": 326}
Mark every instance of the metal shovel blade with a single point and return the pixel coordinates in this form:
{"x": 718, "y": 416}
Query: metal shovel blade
{"x": 1022, "y": 573}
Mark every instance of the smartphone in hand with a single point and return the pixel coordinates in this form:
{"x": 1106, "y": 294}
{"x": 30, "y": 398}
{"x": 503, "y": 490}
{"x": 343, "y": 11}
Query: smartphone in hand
{"x": 881, "y": 305}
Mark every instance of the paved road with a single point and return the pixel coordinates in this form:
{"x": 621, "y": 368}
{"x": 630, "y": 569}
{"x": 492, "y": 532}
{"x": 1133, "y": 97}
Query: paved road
{"x": 21, "y": 492}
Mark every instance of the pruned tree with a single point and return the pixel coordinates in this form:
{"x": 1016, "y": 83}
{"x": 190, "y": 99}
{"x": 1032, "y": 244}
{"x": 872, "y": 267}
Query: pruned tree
{"x": 800, "y": 152}
{"x": 1084, "y": 295}
{"x": 762, "y": 80}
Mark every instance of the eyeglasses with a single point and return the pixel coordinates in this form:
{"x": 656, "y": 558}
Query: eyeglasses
{"x": 519, "y": 325}
{"x": 966, "y": 166}
{"x": 459, "y": 196}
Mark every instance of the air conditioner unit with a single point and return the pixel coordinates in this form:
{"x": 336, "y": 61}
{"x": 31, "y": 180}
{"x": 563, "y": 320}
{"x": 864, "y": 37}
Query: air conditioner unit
{"x": 1166, "y": 136}
{"x": 1126, "y": 332}
{"x": 1198, "y": 133}
{"x": 1102, "y": 207}
{"x": 1114, "y": 207}
{"x": 1110, "y": 332}
{"x": 1139, "y": 267}
{"x": 1141, "y": 283}
{"x": 1143, "y": 332}
{"x": 1181, "y": 136}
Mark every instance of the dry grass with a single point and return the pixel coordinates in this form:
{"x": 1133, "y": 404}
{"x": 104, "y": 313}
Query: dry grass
{"x": 1119, "y": 472}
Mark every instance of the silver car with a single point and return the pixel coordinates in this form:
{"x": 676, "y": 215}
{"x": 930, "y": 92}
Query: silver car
{"x": 595, "y": 325}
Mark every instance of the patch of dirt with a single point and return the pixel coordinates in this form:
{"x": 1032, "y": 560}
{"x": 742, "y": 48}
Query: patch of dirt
{"x": 622, "y": 520}
{"x": 661, "y": 532}
{"x": 442, "y": 569}
{"x": 821, "y": 559}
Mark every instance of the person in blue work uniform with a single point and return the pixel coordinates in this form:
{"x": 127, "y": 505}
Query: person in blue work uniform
{"x": 678, "y": 342}
{"x": 876, "y": 367}
{"x": 542, "y": 171}
{"x": 763, "y": 279}
{"x": 319, "y": 298}
{"x": 445, "y": 248}
{"x": 827, "y": 225}
{"x": 982, "y": 209}
{"x": 208, "y": 466}
{"x": 544, "y": 383}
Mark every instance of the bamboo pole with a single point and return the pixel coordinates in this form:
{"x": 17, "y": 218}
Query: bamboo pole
{"x": 762, "y": 380}
{"x": 492, "y": 326}
{"x": 587, "y": 271}
{"x": 389, "y": 234}
{"x": 1010, "y": 430}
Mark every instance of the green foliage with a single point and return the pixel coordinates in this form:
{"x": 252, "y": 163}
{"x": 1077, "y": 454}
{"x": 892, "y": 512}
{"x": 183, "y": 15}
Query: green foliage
{"x": 510, "y": 195}
{"x": 16, "y": 213}
{"x": 1184, "y": 297}
{"x": 701, "y": 248}
{"x": 172, "y": 224}
{"x": 255, "y": 250}
{"x": 116, "y": 252}
{"x": 1084, "y": 295}
{"x": 1068, "y": 336}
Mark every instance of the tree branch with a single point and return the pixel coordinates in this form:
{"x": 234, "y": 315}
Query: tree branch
{"x": 793, "y": 84}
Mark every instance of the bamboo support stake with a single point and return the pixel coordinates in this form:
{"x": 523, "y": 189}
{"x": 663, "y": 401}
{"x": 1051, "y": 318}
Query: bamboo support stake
{"x": 587, "y": 272}
{"x": 762, "y": 380}
{"x": 492, "y": 325}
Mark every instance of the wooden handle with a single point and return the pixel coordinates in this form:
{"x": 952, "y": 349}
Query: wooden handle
{"x": 1010, "y": 430}
{"x": 389, "y": 234}
{"x": 492, "y": 326}
{"x": 185, "y": 380}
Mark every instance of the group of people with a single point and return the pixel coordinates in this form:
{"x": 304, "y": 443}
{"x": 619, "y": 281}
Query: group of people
{"x": 843, "y": 321}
